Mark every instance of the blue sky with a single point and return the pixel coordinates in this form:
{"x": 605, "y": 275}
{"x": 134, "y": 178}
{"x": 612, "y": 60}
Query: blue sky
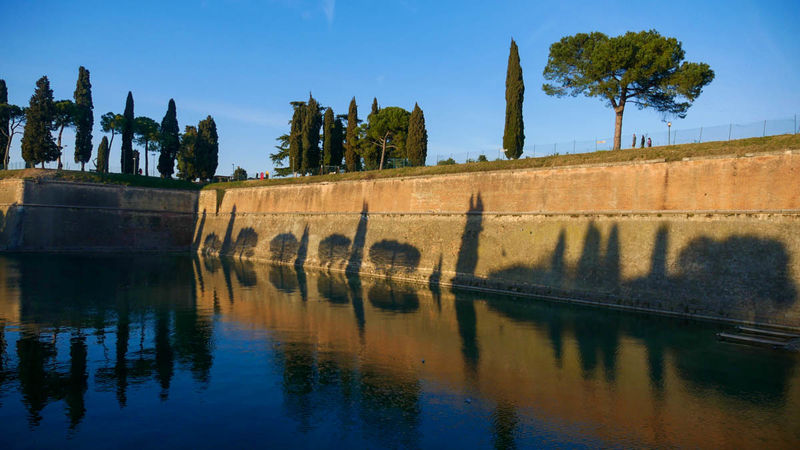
{"x": 243, "y": 62}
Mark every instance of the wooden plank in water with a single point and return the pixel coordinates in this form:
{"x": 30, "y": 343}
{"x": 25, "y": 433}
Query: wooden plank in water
{"x": 772, "y": 333}
{"x": 751, "y": 340}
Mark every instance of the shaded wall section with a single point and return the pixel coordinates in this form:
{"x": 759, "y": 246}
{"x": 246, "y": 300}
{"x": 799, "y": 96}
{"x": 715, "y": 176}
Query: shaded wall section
{"x": 66, "y": 216}
{"x": 715, "y": 237}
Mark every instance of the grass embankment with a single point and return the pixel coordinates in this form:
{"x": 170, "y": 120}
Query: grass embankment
{"x": 739, "y": 147}
{"x": 93, "y": 177}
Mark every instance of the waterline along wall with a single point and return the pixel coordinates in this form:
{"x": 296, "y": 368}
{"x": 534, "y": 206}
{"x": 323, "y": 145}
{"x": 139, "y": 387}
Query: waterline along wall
{"x": 47, "y": 215}
{"x": 715, "y": 237}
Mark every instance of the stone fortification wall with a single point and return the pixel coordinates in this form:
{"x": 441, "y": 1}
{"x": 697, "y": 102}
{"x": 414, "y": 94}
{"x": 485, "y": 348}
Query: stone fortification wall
{"x": 717, "y": 237}
{"x": 45, "y": 215}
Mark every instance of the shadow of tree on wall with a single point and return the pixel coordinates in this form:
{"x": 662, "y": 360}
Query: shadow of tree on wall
{"x": 283, "y": 247}
{"x": 725, "y": 277}
{"x": 359, "y": 241}
{"x": 390, "y": 257}
{"x": 334, "y": 251}
{"x": 245, "y": 244}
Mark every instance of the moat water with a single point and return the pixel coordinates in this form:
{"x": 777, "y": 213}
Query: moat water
{"x": 156, "y": 351}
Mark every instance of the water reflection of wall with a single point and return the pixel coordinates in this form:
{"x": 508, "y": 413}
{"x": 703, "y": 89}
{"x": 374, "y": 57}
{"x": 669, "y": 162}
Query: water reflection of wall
{"x": 355, "y": 348}
{"x": 616, "y": 373}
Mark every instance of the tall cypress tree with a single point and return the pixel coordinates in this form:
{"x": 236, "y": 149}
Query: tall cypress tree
{"x": 102, "y": 156}
{"x": 188, "y": 154}
{"x": 351, "y": 158}
{"x": 417, "y": 141}
{"x": 372, "y": 154}
{"x": 337, "y": 149}
{"x": 4, "y": 119}
{"x": 296, "y": 137}
{"x": 37, "y": 142}
{"x": 126, "y": 159}
{"x": 84, "y": 120}
{"x": 514, "y": 133}
{"x": 207, "y": 148}
{"x": 312, "y": 121}
{"x": 328, "y": 131}
{"x": 170, "y": 141}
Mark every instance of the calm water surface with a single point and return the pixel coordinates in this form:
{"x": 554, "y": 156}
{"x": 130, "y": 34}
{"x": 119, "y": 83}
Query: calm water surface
{"x": 133, "y": 351}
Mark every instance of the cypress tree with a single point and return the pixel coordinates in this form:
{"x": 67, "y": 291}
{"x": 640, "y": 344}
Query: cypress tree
{"x": 126, "y": 158}
{"x": 102, "y": 156}
{"x": 417, "y": 142}
{"x": 375, "y": 108}
{"x": 37, "y": 142}
{"x": 188, "y": 154}
{"x": 312, "y": 121}
{"x": 514, "y": 133}
{"x": 337, "y": 149}
{"x": 296, "y": 137}
{"x": 84, "y": 120}
{"x": 328, "y": 130}
{"x": 169, "y": 142}
{"x": 4, "y": 119}
{"x": 208, "y": 148}
{"x": 351, "y": 157}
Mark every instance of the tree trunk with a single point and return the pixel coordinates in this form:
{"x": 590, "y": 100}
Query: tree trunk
{"x": 82, "y": 165}
{"x": 618, "y": 128}
{"x": 60, "y": 131}
{"x": 7, "y": 153}
{"x": 383, "y": 150}
{"x": 146, "y": 160}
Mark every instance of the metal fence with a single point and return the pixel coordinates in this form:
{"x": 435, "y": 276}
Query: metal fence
{"x": 665, "y": 136}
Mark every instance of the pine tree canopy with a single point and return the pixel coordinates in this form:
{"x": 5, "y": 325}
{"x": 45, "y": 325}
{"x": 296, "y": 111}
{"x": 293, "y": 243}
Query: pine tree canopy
{"x": 514, "y": 132}
{"x": 417, "y": 141}
{"x": 38, "y": 145}
{"x": 387, "y": 130}
{"x": 84, "y": 119}
{"x": 644, "y": 68}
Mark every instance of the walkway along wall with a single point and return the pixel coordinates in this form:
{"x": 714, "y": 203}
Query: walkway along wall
{"x": 717, "y": 237}
{"x": 46, "y": 215}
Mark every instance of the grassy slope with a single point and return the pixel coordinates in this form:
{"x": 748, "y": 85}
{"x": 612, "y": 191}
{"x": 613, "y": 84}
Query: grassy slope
{"x": 92, "y": 177}
{"x": 668, "y": 153}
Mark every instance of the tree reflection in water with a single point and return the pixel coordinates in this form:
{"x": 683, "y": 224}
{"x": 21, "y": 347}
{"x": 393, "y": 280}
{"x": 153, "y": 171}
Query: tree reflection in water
{"x": 346, "y": 356}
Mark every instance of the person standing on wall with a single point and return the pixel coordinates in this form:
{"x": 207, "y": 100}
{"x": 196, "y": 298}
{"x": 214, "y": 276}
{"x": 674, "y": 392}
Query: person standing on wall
{"x": 634, "y": 141}
{"x": 649, "y": 142}
{"x": 642, "y": 141}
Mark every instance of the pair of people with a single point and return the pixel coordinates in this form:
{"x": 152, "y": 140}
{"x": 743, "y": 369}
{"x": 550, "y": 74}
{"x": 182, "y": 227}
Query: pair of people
{"x": 649, "y": 141}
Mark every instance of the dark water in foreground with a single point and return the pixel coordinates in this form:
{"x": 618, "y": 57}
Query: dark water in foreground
{"x": 135, "y": 351}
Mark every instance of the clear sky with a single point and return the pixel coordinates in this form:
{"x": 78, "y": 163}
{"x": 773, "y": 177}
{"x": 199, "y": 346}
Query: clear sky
{"x": 243, "y": 61}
